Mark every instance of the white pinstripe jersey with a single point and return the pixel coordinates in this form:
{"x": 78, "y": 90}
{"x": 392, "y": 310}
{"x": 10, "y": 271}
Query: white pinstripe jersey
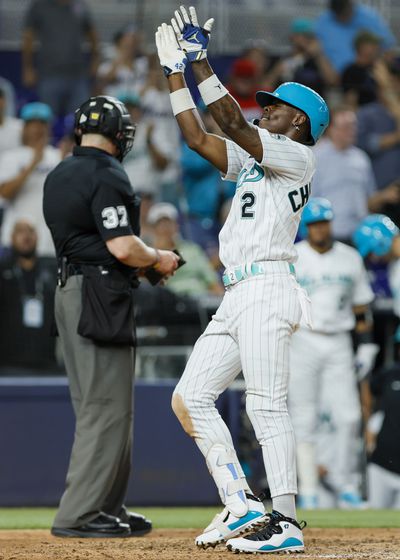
{"x": 335, "y": 282}
{"x": 270, "y": 195}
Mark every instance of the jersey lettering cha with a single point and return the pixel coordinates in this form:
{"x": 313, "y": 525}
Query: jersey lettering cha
{"x": 270, "y": 195}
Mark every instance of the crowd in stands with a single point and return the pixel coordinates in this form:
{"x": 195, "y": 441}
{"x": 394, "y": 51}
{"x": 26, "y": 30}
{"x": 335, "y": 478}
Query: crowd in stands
{"x": 348, "y": 55}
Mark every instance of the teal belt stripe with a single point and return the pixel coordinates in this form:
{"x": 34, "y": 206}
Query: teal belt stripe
{"x": 241, "y": 272}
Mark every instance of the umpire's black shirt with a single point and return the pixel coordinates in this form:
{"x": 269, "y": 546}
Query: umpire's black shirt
{"x": 88, "y": 200}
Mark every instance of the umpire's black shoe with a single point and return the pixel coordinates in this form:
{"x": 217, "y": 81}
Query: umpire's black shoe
{"x": 103, "y": 526}
{"x": 138, "y": 523}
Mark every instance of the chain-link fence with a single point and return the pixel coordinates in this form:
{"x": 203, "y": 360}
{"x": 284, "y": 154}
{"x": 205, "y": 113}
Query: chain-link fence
{"x": 237, "y": 21}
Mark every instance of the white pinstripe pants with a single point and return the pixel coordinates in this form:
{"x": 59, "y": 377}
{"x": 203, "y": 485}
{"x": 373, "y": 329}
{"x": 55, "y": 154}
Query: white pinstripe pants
{"x": 250, "y": 332}
{"x": 323, "y": 378}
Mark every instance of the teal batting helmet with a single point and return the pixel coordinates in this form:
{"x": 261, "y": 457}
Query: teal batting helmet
{"x": 375, "y": 235}
{"x": 303, "y": 98}
{"x": 317, "y": 210}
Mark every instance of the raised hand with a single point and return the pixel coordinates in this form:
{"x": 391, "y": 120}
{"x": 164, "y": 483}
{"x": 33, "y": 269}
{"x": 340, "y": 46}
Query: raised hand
{"x": 192, "y": 38}
{"x": 172, "y": 58}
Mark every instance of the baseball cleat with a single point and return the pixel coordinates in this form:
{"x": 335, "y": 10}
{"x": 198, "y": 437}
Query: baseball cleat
{"x": 279, "y": 534}
{"x": 307, "y": 502}
{"x": 225, "y": 525}
{"x": 350, "y": 500}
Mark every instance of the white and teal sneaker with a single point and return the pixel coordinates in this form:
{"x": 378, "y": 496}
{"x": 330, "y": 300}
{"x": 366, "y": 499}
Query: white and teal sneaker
{"x": 307, "y": 501}
{"x": 225, "y": 525}
{"x": 350, "y": 500}
{"x": 279, "y": 534}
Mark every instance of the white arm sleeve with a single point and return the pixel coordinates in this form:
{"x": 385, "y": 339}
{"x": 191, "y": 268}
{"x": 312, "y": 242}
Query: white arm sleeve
{"x": 236, "y": 158}
{"x": 362, "y": 293}
{"x": 286, "y": 157}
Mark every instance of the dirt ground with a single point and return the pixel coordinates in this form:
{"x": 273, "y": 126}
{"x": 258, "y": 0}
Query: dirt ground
{"x": 177, "y": 544}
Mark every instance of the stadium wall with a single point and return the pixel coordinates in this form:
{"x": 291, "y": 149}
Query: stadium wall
{"x": 36, "y": 435}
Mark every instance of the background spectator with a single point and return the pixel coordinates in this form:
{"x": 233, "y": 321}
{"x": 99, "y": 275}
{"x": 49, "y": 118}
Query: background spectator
{"x": 338, "y": 26}
{"x": 23, "y": 171}
{"x": 379, "y": 136}
{"x": 344, "y": 174}
{"x": 10, "y": 127}
{"x": 197, "y": 277}
{"x": 27, "y": 285}
{"x": 62, "y": 73}
{"x": 243, "y": 85}
{"x": 66, "y": 144}
{"x": 9, "y": 93}
{"x": 152, "y": 153}
{"x": 307, "y": 63}
{"x": 358, "y": 82}
{"x": 256, "y": 50}
{"x": 205, "y": 192}
{"x": 157, "y": 108}
{"x": 127, "y": 70}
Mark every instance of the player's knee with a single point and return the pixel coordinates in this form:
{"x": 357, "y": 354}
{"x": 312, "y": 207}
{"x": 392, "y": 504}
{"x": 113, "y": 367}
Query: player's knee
{"x": 261, "y": 407}
{"x": 182, "y": 413}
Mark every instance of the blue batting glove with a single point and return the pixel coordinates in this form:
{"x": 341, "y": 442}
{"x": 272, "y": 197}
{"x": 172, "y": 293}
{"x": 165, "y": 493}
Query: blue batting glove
{"x": 192, "y": 38}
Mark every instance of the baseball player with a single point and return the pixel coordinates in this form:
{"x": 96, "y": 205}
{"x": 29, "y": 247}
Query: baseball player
{"x": 250, "y": 332}
{"x": 322, "y": 359}
{"x": 377, "y": 238}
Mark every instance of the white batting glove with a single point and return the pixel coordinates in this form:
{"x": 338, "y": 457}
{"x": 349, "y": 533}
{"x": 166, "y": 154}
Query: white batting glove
{"x": 172, "y": 58}
{"x": 365, "y": 359}
{"x": 192, "y": 38}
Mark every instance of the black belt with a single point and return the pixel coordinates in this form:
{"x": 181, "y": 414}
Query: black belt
{"x": 73, "y": 270}
{"x": 66, "y": 269}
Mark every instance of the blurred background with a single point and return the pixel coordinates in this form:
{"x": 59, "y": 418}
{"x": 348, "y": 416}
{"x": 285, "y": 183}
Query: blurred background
{"x": 56, "y": 53}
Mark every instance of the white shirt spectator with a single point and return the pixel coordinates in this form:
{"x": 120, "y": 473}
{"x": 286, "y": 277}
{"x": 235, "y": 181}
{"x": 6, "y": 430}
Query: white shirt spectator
{"x": 10, "y": 133}
{"x": 27, "y": 204}
{"x": 127, "y": 79}
{"x": 157, "y": 106}
{"x": 143, "y": 174}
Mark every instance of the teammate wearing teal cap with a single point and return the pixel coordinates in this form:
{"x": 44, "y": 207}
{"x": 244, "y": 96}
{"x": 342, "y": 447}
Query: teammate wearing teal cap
{"x": 322, "y": 376}
{"x": 378, "y": 238}
{"x": 375, "y": 235}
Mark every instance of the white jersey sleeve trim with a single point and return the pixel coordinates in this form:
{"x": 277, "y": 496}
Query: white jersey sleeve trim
{"x": 286, "y": 157}
{"x": 236, "y": 158}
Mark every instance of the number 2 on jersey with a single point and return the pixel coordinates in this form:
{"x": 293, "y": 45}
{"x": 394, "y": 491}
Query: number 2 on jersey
{"x": 248, "y": 199}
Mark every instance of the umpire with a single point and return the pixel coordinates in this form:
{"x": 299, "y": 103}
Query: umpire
{"x": 93, "y": 215}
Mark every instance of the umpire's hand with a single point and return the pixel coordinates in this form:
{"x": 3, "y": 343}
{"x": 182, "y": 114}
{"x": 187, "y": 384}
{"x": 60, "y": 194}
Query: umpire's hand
{"x": 167, "y": 264}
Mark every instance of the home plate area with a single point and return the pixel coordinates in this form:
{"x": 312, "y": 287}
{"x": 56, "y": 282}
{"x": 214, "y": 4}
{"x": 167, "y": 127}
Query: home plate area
{"x": 178, "y": 544}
